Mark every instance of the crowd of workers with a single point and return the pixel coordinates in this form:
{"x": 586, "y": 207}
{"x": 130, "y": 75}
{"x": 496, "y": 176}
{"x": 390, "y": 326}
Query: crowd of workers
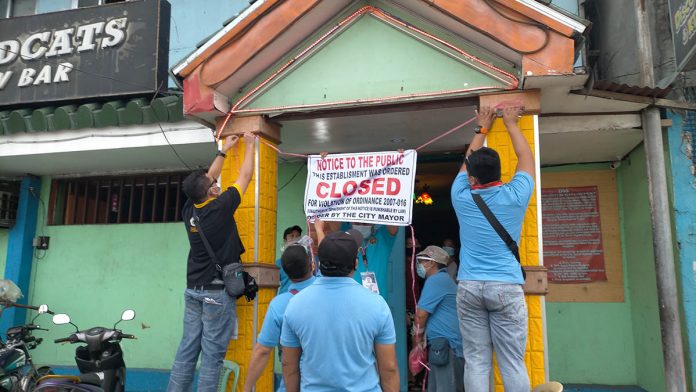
{"x": 330, "y": 323}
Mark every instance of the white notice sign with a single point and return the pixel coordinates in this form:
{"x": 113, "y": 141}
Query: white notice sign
{"x": 375, "y": 187}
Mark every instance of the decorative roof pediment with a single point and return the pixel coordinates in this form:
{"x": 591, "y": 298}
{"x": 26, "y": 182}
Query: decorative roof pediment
{"x": 242, "y": 66}
{"x": 372, "y": 57}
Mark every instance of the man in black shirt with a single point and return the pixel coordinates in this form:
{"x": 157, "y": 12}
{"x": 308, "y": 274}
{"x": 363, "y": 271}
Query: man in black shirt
{"x": 210, "y": 314}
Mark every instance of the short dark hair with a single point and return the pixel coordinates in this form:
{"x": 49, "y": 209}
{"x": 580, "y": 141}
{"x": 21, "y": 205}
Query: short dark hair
{"x": 195, "y": 186}
{"x": 484, "y": 164}
{"x": 290, "y": 230}
{"x": 295, "y": 261}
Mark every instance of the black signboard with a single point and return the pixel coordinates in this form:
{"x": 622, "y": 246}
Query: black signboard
{"x": 101, "y": 51}
{"x": 683, "y": 17}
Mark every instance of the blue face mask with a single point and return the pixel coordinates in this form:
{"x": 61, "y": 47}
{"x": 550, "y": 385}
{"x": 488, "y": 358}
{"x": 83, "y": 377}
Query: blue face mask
{"x": 420, "y": 270}
{"x": 450, "y": 250}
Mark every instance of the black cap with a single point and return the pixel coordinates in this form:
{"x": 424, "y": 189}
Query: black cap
{"x": 338, "y": 251}
{"x": 290, "y": 230}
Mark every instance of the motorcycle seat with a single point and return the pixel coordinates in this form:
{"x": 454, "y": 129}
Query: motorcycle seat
{"x": 91, "y": 379}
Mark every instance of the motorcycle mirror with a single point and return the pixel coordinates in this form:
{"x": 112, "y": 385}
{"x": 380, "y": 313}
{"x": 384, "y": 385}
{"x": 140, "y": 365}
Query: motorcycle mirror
{"x": 61, "y": 319}
{"x": 43, "y": 309}
{"x": 128, "y": 314}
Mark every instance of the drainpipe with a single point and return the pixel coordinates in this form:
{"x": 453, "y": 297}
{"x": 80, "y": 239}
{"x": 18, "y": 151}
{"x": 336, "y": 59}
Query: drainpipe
{"x": 672, "y": 346}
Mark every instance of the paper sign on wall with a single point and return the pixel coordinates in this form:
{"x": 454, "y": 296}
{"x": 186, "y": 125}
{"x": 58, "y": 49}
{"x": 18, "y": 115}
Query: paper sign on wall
{"x": 573, "y": 250}
{"x": 375, "y": 187}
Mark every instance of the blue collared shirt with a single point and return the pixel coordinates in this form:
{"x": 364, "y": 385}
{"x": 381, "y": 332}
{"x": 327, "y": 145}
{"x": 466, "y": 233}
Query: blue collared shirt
{"x": 337, "y": 323}
{"x": 484, "y": 256}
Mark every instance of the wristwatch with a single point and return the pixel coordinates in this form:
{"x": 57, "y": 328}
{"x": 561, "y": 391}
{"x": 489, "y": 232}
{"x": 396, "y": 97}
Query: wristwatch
{"x": 220, "y": 154}
{"x": 481, "y": 129}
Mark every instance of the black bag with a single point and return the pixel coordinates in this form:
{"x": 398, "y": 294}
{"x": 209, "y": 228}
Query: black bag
{"x": 232, "y": 273}
{"x": 250, "y": 287}
{"x": 438, "y": 352}
{"x": 504, "y": 235}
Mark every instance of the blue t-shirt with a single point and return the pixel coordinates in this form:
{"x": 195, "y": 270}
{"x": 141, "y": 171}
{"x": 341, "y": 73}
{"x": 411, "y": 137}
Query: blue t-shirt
{"x": 483, "y": 255}
{"x": 273, "y": 322}
{"x": 378, "y": 247}
{"x": 284, "y": 280}
{"x": 337, "y": 323}
{"x": 439, "y": 299}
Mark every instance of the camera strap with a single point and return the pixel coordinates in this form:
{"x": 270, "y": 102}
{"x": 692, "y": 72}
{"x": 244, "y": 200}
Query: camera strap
{"x": 211, "y": 253}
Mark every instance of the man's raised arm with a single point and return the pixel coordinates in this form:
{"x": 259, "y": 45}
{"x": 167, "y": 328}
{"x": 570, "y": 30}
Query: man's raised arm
{"x": 525, "y": 158}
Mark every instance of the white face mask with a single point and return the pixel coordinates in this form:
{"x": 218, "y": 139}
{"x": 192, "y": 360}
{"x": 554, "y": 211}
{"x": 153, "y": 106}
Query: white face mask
{"x": 365, "y": 231}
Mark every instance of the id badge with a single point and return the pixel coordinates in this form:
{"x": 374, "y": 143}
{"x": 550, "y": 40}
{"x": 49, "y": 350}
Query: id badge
{"x": 369, "y": 281}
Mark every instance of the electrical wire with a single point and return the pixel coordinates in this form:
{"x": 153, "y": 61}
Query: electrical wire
{"x": 542, "y": 27}
{"x": 293, "y": 177}
{"x": 159, "y": 124}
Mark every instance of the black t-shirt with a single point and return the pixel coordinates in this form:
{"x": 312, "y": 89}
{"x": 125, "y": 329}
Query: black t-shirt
{"x": 216, "y": 217}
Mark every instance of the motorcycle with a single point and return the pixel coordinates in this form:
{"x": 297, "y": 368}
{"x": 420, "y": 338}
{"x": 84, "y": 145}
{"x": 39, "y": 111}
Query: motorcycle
{"x": 99, "y": 360}
{"x": 17, "y": 370}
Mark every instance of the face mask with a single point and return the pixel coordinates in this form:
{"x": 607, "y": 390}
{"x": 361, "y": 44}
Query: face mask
{"x": 449, "y": 250}
{"x": 420, "y": 270}
{"x": 365, "y": 231}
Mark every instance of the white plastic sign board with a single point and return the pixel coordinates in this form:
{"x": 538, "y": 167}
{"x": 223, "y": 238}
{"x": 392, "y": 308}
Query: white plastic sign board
{"x": 373, "y": 187}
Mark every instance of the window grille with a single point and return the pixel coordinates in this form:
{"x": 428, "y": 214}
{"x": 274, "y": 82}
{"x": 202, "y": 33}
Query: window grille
{"x": 148, "y": 198}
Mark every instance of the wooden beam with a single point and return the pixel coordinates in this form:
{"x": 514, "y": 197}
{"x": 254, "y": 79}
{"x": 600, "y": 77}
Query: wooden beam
{"x": 259, "y": 125}
{"x": 530, "y": 100}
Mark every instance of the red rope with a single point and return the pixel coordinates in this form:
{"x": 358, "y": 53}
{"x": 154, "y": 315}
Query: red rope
{"x": 467, "y": 122}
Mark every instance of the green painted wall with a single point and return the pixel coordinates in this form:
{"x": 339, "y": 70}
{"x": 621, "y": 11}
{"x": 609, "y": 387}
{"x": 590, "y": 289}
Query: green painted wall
{"x": 94, "y": 272}
{"x": 371, "y": 59}
{"x": 590, "y": 343}
{"x": 614, "y": 343}
{"x": 4, "y": 234}
{"x": 400, "y": 63}
{"x": 638, "y": 250}
{"x": 290, "y": 199}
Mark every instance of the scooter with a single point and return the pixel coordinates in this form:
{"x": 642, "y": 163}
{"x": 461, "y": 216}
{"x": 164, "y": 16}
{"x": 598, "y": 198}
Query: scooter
{"x": 100, "y": 360}
{"x": 17, "y": 370}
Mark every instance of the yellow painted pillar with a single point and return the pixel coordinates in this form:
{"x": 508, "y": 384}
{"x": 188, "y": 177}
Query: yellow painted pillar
{"x": 263, "y": 208}
{"x": 499, "y": 139}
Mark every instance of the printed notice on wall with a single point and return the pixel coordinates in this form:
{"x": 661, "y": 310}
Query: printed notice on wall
{"x": 573, "y": 250}
{"x": 372, "y": 187}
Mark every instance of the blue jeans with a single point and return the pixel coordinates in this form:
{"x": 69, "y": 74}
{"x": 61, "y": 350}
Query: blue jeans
{"x": 209, "y": 322}
{"x": 493, "y": 316}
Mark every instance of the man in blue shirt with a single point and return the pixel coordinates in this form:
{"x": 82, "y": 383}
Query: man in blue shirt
{"x": 343, "y": 333}
{"x": 436, "y": 316}
{"x": 490, "y": 301}
{"x": 290, "y": 235}
{"x": 296, "y": 261}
